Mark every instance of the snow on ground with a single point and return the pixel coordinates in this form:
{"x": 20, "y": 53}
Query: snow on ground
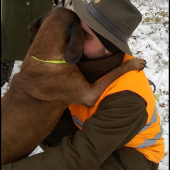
{"x": 150, "y": 42}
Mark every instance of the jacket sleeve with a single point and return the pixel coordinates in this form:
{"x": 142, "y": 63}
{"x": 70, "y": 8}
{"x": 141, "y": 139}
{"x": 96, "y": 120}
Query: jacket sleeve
{"x": 118, "y": 119}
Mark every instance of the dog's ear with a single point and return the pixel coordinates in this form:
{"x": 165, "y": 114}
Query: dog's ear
{"x": 75, "y": 46}
{"x": 35, "y": 25}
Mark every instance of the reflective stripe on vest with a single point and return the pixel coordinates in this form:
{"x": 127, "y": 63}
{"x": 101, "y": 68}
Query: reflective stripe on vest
{"x": 153, "y": 119}
{"x": 149, "y": 142}
{"x": 77, "y": 121}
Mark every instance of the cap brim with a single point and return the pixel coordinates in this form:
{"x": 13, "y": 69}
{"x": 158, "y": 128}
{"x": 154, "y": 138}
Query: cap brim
{"x": 80, "y": 8}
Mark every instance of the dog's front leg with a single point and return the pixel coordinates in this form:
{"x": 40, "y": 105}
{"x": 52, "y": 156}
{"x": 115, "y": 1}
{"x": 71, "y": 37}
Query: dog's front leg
{"x": 92, "y": 92}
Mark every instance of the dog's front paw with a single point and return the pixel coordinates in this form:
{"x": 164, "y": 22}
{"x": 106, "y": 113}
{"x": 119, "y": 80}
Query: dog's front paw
{"x": 136, "y": 64}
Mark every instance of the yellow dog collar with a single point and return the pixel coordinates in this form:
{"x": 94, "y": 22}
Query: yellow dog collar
{"x": 50, "y": 61}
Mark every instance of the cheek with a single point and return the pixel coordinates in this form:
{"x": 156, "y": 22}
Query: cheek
{"x": 91, "y": 46}
{"x": 88, "y": 47}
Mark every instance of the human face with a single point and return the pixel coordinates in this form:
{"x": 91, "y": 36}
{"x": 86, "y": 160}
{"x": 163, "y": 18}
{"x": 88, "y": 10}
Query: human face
{"x": 93, "y": 48}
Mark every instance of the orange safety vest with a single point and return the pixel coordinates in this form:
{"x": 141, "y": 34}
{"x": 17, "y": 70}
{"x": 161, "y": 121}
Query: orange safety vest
{"x": 149, "y": 140}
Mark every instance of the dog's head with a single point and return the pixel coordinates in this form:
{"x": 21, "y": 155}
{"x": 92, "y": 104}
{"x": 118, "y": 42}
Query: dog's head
{"x": 73, "y": 31}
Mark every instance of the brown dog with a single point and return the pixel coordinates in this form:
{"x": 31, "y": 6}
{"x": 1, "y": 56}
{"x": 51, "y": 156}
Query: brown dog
{"x": 41, "y": 91}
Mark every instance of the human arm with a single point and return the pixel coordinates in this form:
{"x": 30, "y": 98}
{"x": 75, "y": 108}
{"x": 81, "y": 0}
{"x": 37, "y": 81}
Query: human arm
{"x": 107, "y": 130}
